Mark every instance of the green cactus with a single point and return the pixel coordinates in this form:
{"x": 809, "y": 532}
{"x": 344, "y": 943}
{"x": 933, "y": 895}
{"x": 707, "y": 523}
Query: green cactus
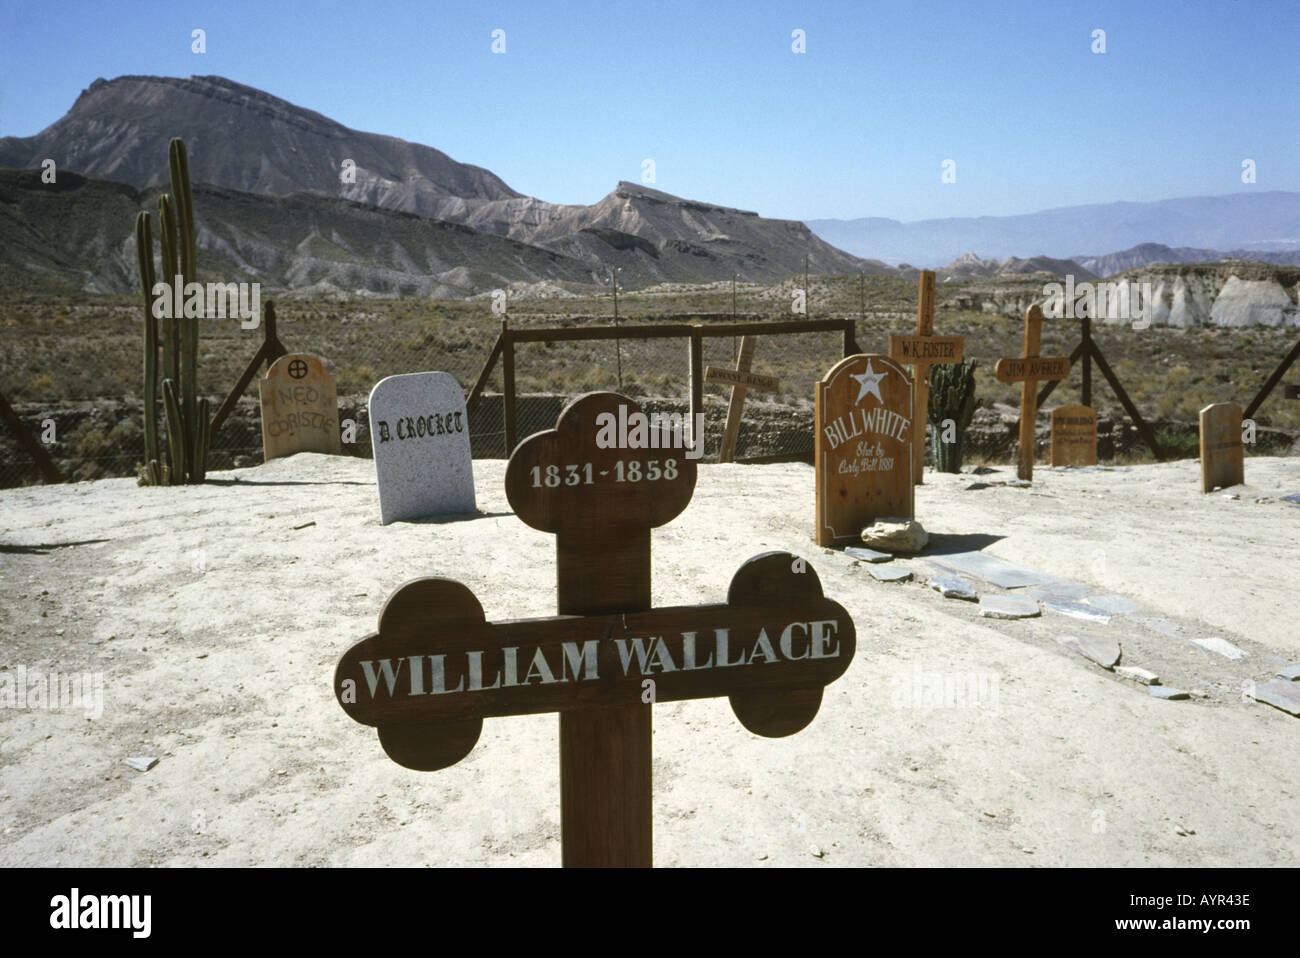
{"x": 952, "y": 396}
{"x": 188, "y": 422}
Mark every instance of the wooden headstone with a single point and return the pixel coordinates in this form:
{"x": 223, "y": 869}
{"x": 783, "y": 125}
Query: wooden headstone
{"x": 300, "y": 408}
{"x": 741, "y": 380}
{"x": 420, "y": 433}
{"x": 1074, "y": 436}
{"x": 1028, "y": 370}
{"x": 1222, "y": 461}
{"x": 436, "y": 668}
{"x": 923, "y": 351}
{"x": 862, "y": 447}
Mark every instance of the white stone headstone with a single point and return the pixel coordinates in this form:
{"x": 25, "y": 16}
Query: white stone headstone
{"x": 420, "y": 433}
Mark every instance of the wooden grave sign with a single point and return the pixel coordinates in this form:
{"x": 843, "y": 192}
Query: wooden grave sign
{"x": 1222, "y": 462}
{"x": 741, "y": 380}
{"x": 923, "y": 351}
{"x": 300, "y": 409}
{"x": 1028, "y": 370}
{"x": 436, "y": 668}
{"x": 862, "y": 447}
{"x": 1074, "y": 436}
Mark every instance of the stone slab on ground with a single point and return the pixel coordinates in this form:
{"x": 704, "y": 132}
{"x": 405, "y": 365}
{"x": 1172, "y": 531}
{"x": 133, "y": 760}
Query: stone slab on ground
{"x": 1291, "y": 673}
{"x": 1008, "y": 607}
{"x": 1114, "y": 604}
{"x": 1067, "y": 591}
{"x": 1105, "y": 652}
{"x": 867, "y": 555}
{"x": 142, "y": 763}
{"x": 1279, "y": 693}
{"x": 1077, "y": 610}
{"x": 1006, "y": 575}
{"x": 953, "y": 587}
{"x": 1137, "y": 675}
{"x": 1220, "y": 646}
{"x": 1165, "y": 692}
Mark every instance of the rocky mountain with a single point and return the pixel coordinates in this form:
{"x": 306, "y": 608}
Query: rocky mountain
{"x": 78, "y": 234}
{"x": 1149, "y": 254}
{"x": 1246, "y": 221}
{"x": 971, "y": 266}
{"x": 120, "y": 129}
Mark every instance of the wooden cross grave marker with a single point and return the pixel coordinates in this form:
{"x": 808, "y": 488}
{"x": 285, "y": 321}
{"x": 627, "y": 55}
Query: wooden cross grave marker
{"x": 436, "y": 668}
{"x": 1028, "y": 370}
{"x": 741, "y": 381}
{"x": 923, "y": 351}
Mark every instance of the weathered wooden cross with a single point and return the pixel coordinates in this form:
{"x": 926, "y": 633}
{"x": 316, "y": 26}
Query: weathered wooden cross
{"x": 923, "y": 351}
{"x": 436, "y": 668}
{"x": 741, "y": 380}
{"x": 1028, "y": 370}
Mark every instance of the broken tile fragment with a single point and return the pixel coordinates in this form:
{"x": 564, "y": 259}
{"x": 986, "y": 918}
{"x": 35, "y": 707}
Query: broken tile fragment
{"x": 889, "y": 573}
{"x": 867, "y": 555}
{"x": 1165, "y": 692}
{"x": 1291, "y": 673}
{"x": 951, "y": 587}
{"x": 1105, "y": 652}
{"x": 1008, "y": 607}
{"x": 1279, "y": 693}
{"x": 1137, "y": 675}
{"x": 142, "y": 763}
{"x": 1221, "y": 646}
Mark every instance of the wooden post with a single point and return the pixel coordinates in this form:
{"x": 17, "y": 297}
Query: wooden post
{"x": 270, "y": 350}
{"x": 741, "y": 381}
{"x": 1027, "y": 370}
{"x": 696, "y": 368}
{"x": 508, "y": 386}
{"x": 922, "y": 351}
{"x": 1087, "y": 361}
{"x": 29, "y": 442}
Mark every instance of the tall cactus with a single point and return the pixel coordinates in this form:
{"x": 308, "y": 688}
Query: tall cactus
{"x": 188, "y": 422}
{"x": 952, "y": 396}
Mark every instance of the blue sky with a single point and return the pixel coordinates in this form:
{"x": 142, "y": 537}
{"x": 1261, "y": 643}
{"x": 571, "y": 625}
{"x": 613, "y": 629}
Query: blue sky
{"x": 859, "y": 125}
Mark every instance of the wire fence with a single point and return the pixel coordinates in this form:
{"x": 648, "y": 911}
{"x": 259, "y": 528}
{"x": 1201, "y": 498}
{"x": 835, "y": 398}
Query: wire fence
{"x": 83, "y": 402}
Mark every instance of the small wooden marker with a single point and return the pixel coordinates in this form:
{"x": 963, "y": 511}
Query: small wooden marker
{"x": 741, "y": 380}
{"x": 1028, "y": 370}
{"x": 1222, "y": 458}
{"x": 436, "y": 668}
{"x": 1074, "y": 436}
{"x": 923, "y": 351}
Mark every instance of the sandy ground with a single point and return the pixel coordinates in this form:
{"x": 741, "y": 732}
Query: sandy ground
{"x": 216, "y": 625}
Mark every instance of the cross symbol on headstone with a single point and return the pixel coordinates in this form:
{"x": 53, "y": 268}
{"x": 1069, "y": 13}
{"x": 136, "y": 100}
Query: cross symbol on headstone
{"x": 436, "y": 668}
{"x": 1028, "y": 370}
{"x": 297, "y": 369}
{"x": 741, "y": 381}
{"x": 923, "y": 351}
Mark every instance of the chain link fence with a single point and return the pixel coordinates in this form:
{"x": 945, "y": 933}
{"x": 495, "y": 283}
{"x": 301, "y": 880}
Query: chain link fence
{"x": 75, "y": 378}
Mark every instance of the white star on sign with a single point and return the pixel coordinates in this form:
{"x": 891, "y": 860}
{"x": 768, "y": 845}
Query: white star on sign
{"x": 870, "y": 383}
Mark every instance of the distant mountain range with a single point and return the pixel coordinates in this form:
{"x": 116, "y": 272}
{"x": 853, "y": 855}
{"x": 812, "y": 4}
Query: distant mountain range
{"x": 119, "y": 130}
{"x": 1264, "y": 221}
{"x": 277, "y": 210}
